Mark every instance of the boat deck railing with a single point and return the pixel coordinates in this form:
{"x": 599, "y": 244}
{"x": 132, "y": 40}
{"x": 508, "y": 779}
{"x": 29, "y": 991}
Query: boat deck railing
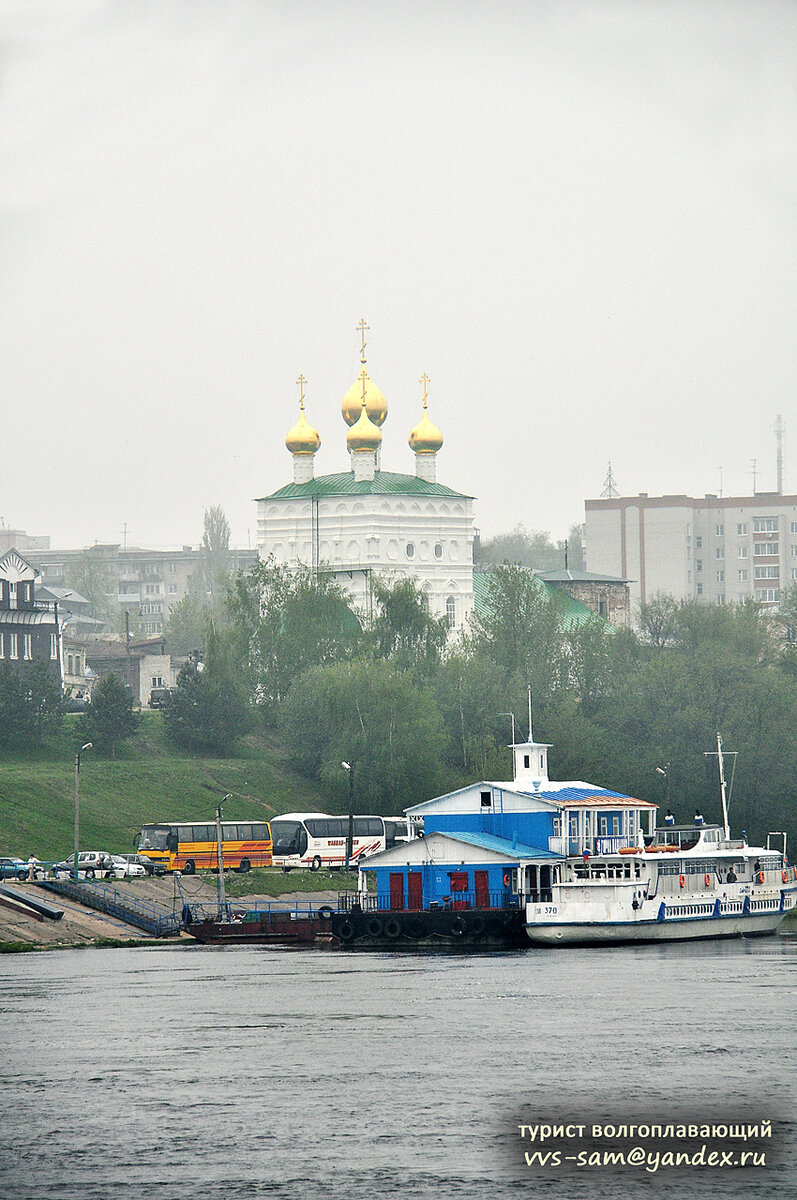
{"x": 253, "y": 910}
{"x": 357, "y": 902}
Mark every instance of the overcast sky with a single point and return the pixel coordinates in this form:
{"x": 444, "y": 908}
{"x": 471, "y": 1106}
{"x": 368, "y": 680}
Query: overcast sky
{"x": 577, "y": 216}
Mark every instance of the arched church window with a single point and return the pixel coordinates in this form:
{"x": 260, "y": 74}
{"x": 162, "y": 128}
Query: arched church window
{"x": 451, "y": 611}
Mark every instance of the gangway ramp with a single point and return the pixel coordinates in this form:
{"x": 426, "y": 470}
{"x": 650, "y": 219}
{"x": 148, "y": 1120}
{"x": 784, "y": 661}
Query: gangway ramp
{"x": 144, "y": 914}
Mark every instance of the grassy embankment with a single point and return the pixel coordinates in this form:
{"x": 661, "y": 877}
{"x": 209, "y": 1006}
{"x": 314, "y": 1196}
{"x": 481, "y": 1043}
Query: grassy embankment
{"x": 148, "y": 781}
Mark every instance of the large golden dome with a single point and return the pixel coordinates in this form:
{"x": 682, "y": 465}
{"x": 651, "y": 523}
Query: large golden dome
{"x": 425, "y": 438}
{"x": 302, "y": 439}
{"x": 375, "y": 402}
{"x": 364, "y": 434}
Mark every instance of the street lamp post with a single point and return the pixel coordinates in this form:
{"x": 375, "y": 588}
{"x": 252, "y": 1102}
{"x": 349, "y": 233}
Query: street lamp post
{"x": 350, "y": 839}
{"x": 87, "y": 746}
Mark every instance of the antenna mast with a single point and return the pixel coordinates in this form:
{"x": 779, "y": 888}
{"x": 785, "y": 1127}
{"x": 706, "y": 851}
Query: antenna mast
{"x": 610, "y": 491}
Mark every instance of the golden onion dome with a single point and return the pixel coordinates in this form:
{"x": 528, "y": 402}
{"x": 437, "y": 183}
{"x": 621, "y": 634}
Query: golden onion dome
{"x": 375, "y": 402}
{"x": 425, "y": 438}
{"x": 364, "y": 434}
{"x": 302, "y": 439}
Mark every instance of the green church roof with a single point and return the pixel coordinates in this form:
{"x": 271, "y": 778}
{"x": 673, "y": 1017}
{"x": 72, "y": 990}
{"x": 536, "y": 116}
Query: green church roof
{"x": 384, "y": 483}
{"x": 574, "y": 613}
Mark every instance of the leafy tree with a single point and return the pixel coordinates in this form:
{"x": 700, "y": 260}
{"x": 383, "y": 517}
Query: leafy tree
{"x": 209, "y": 709}
{"x": 369, "y": 714}
{"x": 89, "y": 575}
{"x": 472, "y": 699}
{"x": 30, "y": 704}
{"x": 520, "y": 629}
{"x": 532, "y": 548}
{"x": 403, "y": 629}
{"x": 190, "y": 620}
{"x": 215, "y": 549}
{"x": 109, "y": 718}
{"x": 42, "y": 695}
{"x": 284, "y": 623}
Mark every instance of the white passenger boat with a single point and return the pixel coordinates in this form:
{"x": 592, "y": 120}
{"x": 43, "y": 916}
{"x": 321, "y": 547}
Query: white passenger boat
{"x": 681, "y": 882}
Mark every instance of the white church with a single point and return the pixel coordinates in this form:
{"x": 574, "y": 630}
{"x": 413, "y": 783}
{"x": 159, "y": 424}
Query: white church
{"x": 366, "y": 522}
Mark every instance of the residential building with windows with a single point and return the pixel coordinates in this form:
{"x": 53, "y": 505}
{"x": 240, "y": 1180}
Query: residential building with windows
{"x": 365, "y": 521}
{"x": 144, "y": 583}
{"x": 29, "y": 630}
{"x": 719, "y": 549}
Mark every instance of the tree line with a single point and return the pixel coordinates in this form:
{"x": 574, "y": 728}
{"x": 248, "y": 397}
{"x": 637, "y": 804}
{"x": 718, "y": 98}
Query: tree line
{"x": 636, "y": 710}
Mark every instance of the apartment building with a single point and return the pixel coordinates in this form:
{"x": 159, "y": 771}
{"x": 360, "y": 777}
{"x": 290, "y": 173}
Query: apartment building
{"x": 147, "y": 583}
{"x": 719, "y": 549}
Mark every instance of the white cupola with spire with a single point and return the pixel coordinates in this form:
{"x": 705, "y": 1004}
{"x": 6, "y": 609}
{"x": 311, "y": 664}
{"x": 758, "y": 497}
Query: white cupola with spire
{"x": 531, "y": 760}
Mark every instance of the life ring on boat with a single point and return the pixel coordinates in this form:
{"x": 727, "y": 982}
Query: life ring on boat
{"x": 507, "y": 879}
{"x": 374, "y": 927}
{"x": 784, "y": 876}
{"x": 760, "y": 876}
{"x": 794, "y": 869}
{"x": 325, "y": 912}
{"x": 682, "y": 880}
{"x": 347, "y": 931}
{"x": 392, "y": 928}
{"x": 707, "y": 880}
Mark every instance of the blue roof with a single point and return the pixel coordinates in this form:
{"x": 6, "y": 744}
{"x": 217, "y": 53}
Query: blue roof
{"x": 579, "y": 794}
{"x": 488, "y": 841}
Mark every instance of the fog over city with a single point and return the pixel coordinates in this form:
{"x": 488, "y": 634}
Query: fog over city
{"x": 577, "y": 216}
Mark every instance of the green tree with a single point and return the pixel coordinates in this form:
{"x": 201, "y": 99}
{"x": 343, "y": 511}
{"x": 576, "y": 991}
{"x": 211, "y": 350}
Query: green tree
{"x": 215, "y": 550}
{"x": 372, "y": 715}
{"x": 285, "y": 622}
{"x": 532, "y": 548}
{"x": 520, "y": 630}
{"x": 109, "y": 718}
{"x": 190, "y": 620}
{"x": 30, "y": 704}
{"x": 403, "y": 629}
{"x": 209, "y": 709}
{"x": 89, "y": 575}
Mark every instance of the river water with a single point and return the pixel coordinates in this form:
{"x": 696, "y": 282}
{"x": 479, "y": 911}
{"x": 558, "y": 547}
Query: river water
{"x": 264, "y": 1072}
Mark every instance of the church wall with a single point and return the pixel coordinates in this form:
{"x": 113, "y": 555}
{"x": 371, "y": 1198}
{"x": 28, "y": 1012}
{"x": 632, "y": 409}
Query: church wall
{"x": 373, "y": 533}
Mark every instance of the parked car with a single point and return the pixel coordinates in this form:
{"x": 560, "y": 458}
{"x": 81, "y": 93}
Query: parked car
{"x": 13, "y": 868}
{"x": 91, "y": 864}
{"x": 151, "y": 866}
{"x": 157, "y": 697}
{"x": 124, "y": 868}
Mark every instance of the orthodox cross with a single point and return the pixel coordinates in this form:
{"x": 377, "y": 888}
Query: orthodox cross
{"x": 301, "y": 382}
{"x": 362, "y": 327}
{"x": 424, "y": 379}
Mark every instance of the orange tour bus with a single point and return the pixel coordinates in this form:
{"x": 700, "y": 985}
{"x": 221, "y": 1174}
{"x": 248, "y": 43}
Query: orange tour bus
{"x": 190, "y": 847}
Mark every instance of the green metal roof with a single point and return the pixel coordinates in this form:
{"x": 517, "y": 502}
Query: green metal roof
{"x": 384, "y": 483}
{"x": 574, "y": 613}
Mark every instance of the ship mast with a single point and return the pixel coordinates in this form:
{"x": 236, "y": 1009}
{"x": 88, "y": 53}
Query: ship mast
{"x": 220, "y": 856}
{"x": 722, "y": 789}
